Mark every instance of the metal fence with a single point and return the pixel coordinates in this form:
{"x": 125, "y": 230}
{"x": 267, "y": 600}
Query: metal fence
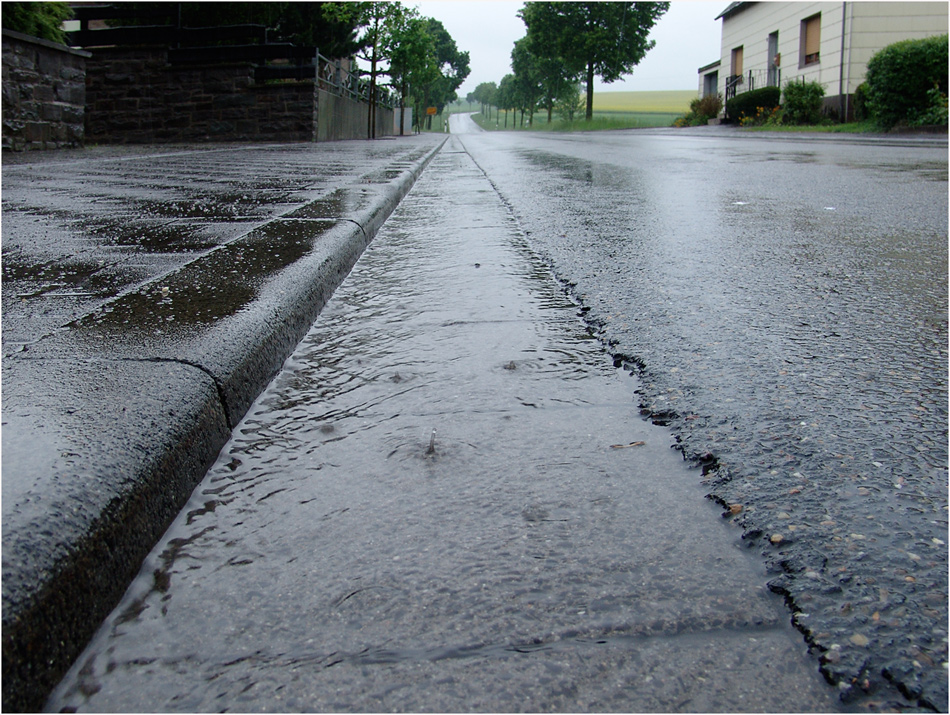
{"x": 753, "y": 79}
{"x": 334, "y": 77}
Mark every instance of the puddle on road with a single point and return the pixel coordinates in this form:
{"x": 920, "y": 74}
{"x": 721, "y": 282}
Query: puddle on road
{"x": 435, "y": 478}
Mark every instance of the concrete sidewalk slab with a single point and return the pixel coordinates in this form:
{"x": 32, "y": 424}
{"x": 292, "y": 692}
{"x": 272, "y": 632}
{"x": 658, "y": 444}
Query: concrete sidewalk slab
{"x": 148, "y": 298}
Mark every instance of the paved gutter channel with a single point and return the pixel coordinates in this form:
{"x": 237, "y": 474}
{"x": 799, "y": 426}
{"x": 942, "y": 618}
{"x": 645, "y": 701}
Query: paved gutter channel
{"x": 121, "y": 382}
{"x": 447, "y": 501}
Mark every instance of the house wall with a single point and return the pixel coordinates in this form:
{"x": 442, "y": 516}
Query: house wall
{"x": 868, "y": 27}
{"x": 44, "y": 93}
{"x": 876, "y": 25}
{"x": 750, "y": 28}
{"x": 709, "y": 75}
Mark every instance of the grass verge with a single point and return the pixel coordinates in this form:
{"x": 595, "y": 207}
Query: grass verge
{"x": 601, "y": 121}
{"x": 866, "y": 127}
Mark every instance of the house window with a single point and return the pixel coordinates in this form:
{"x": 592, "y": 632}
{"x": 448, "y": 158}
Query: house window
{"x": 810, "y": 40}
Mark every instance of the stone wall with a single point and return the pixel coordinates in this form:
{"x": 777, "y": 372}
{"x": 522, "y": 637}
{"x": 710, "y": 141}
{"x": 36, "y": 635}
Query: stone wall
{"x": 44, "y": 93}
{"x": 134, "y": 96}
{"x": 54, "y": 96}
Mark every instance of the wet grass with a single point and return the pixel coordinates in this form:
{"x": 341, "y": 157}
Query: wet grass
{"x": 439, "y": 123}
{"x": 600, "y": 121}
{"x": 865, "y": 127}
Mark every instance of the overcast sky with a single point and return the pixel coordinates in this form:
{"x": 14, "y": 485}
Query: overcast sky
{"x": 687, "y": 38}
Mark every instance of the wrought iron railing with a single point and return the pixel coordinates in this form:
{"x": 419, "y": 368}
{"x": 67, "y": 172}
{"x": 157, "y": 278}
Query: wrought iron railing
{"x": 753, "y": 79}
{"x": 334, "y": 77}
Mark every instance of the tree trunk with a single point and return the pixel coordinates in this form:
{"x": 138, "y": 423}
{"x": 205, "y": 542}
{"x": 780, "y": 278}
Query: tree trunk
{"x": 371, "y": 129}
{"x": 404, "y": 91}
{"x": 590, "y": 91}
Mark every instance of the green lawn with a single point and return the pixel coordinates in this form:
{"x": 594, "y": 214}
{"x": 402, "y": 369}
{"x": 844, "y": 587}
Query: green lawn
{"x": 600, "y": 121}
{"x": 612, "y": 110}
{"x": 865, "y": 127}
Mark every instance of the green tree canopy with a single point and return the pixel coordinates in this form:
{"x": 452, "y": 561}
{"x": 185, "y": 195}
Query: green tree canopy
{"x": 528, "y": 78}
{"x": 542, "y": 78}
{"x": 38, "y": 19}
{"x": 382, "y": 23}
{"x": 416, "y": 53}
{"x": 604, "y": 39}
{"x": 312, "y": 23}
{"x": 506, "y": 95}
{"x": 484, "y": 94}
{"x": 413, "y": 65}
{"x": 453, "y": 66}
{"x": 320, "y": 24}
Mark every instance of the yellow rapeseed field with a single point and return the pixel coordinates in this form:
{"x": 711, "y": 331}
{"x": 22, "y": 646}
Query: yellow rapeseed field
{"x": 675, "y": 101}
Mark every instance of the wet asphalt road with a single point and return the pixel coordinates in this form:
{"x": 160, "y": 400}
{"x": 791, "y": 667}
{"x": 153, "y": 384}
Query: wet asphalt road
{"x": 784, "y": 302}
{"x": 448, "y": 501}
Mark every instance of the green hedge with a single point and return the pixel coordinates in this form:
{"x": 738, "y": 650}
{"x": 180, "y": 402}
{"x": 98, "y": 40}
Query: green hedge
{"x": 748, "y": 103}
{"x": 802, "y": 103}
{"x": 907, "y": 82}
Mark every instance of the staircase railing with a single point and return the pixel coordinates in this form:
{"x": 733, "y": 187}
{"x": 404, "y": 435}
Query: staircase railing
{"x": 753, "y": 79}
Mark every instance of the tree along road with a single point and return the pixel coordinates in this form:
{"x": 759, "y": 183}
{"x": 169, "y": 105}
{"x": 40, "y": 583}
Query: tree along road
{"x": 784, "y": 302}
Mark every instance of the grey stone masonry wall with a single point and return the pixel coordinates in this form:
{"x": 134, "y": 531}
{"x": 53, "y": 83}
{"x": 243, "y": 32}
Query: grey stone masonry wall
{"x": 134, "y": 96}
{"x": 44, "y": 93}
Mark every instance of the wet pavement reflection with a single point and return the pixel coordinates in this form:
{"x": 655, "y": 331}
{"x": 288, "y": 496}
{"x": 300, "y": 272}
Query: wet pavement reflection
{"x": 448, "y": 501}
{"x": 83, "y": 227}
{"x": 784, "y": 302}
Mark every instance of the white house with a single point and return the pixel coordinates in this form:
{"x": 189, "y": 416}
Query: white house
{"x": 771, "y": 43}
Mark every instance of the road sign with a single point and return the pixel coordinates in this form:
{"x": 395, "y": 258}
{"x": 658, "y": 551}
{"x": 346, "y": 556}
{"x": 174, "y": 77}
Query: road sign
{"x": 431, "y": 110}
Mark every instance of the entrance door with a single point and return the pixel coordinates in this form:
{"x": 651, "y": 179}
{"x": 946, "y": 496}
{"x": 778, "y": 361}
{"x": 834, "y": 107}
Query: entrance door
{"x": 773, "y": 78}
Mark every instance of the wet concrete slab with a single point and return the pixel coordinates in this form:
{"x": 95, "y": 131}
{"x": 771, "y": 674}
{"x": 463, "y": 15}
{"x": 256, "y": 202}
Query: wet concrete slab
{"x": 92, "y": 225}
{"x": 448, "y": 501}
{"x": 148, "y": 298}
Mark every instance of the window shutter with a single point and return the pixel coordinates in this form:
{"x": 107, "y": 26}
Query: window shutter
{"x": 812, "y": 35}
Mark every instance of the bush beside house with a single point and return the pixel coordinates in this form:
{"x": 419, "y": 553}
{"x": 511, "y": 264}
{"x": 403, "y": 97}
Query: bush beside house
{"x": 701, "y": 110}
{"x": 907, "y": 83}
{"x": 749, "y": 104}
{"x": 803, "y": 101}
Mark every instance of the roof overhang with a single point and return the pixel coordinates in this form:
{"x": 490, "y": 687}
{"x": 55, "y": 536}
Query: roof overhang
{"x": 733, "y": 8}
